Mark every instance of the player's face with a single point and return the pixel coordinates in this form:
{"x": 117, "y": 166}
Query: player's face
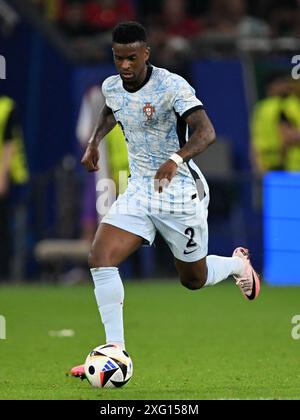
{"x": 130, "y": 61}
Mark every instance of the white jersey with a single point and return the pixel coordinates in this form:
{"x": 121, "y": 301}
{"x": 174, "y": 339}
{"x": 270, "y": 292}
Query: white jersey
{"x": 153, "y": 121}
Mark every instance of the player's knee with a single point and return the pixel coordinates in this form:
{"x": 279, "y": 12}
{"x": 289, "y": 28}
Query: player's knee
{"x": 98, "y": 259}
{"x": 193, "y": 282}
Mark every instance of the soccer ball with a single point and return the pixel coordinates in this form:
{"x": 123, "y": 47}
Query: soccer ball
{"x": 108, "y": 366}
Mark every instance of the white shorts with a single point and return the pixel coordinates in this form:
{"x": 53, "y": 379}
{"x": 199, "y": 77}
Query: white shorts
{"x": 180, "y": 218}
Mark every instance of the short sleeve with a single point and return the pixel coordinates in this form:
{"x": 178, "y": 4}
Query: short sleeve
{"x": 103, "y": 88}
{"x": 111, "y": 93}
{"x": 185, "y": 101}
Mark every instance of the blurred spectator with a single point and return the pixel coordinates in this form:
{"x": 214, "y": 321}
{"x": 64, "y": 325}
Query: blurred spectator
{"x": 86, "y": 45}
{"x": 275, "y": 127}
{"x": 176, "y": 22}
{"x": 72, "y": 19}
{"x": 89, "y": 24}
{"x": 13, "y": 170}
{"x": 81, "y": 16}
{"x": 284, "y": 18}
{"x": 231, "y": 18}
{"x": 169, "y": 34}
{"x": 103, "y": 15}
{"x": 113, "y": 159}
{"x": 91, "y": 103}
{"x": 154, "y": 7}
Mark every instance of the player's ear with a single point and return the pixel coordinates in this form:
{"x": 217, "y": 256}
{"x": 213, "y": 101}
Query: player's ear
{"x": 147, "y": 53}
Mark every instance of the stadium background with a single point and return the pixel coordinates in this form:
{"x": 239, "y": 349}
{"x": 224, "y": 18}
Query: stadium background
{"x": 227, "y": 75}
{"x": 48, "y": 71}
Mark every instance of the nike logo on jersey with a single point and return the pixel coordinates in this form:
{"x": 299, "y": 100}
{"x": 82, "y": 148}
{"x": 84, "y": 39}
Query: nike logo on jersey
{"x": 187, "y": 253}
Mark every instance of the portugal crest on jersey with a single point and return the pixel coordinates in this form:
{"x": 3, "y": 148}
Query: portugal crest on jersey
{"x": 149, "y": 111}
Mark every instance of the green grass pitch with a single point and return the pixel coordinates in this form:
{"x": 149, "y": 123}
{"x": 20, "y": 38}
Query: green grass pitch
{"x": 210, "y": 344}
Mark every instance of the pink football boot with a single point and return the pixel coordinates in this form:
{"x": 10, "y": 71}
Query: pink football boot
{"x": 248, "y": 282}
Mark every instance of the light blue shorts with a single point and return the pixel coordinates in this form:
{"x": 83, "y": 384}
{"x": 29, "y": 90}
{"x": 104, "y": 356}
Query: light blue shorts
{"x": 181, "y": 219}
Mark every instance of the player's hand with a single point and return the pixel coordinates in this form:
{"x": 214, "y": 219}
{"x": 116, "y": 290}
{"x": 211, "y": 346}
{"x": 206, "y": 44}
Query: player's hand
{"x": 164, "y": 175}
{"x": 90, "y": 158}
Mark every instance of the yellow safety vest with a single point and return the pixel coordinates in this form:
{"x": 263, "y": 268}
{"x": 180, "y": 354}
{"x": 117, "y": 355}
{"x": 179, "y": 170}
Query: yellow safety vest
{"x": 18, "y": 168}
{"x": 117, "y": 154}
{"x": 292, "y": 109}
{"x": 265, "y": 132}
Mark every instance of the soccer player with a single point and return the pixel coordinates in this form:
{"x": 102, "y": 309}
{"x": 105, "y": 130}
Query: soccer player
{"x": 166, "y": 191}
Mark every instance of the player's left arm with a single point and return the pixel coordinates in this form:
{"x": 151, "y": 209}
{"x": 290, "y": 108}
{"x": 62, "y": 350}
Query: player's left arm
{"x": 203, "y": 135}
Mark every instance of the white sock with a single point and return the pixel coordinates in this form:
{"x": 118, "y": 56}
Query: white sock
{"x": 109, "y": 292}
{"x": 220, "y": 268}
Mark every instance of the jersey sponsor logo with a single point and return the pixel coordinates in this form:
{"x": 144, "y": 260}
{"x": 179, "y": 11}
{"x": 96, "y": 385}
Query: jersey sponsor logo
{"x": 149, "y": 111}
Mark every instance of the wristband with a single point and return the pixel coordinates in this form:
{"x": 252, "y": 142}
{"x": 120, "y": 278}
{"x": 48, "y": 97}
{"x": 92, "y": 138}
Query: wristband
{"x": 177, "y": 159}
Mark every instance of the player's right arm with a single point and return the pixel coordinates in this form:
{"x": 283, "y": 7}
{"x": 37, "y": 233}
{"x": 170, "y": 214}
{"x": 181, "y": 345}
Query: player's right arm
{"x": 105, "y": 124}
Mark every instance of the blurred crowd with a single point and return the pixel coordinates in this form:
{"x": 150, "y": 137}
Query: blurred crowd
{"x": 172, "y": 26}
{"x": 183, "y": 18}
{"x": 175, "y": 27}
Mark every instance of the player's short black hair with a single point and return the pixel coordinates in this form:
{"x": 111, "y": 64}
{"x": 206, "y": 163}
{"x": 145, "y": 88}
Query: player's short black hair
{"x": 129, "y": 33}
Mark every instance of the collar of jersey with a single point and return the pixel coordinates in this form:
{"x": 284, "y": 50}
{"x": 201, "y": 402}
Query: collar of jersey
{"x": 149, "y": 73}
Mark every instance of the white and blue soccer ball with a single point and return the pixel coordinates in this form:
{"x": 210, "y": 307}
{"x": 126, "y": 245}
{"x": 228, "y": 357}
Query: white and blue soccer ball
{"x": 108, "y": 366}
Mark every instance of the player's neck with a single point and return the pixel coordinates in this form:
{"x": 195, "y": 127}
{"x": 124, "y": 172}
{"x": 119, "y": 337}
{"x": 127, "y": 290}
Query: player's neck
{"x": 145, "y": 76}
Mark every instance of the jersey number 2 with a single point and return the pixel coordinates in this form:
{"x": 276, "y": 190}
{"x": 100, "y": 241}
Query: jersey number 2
{"x": 191, "y": 233}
